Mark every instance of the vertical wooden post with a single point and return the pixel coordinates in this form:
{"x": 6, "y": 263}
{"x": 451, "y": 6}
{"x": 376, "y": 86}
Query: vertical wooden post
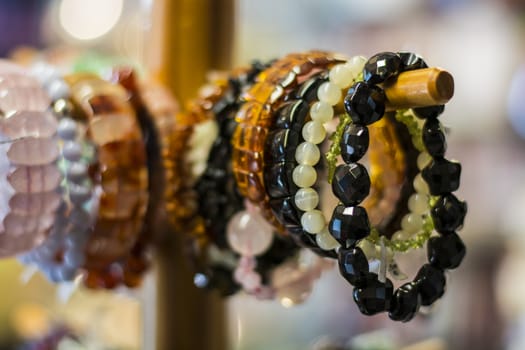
{"x": 192, "y": 37}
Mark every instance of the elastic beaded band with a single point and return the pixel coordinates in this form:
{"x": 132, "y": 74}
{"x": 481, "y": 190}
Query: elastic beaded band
{"x": 28, "y": 171}
{"x": 111, "y": 123}
{"x": 156, "y": 109}
{"x": 349, "y": 224}
{"x": 256, "y": 118}
{"x": 70, "y": 230}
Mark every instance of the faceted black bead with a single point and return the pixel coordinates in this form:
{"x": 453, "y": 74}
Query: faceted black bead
{"x": 446, "y": 252}
{"x": 278, "y": 180}
{"x": 354, "y": 142}
{"x": 431, "y": 282}
{"x": 349, "y": 225}
{"x": 351, "y": 183}
{"x": 292, "y": 115}
{"x": 411, "y": 61}
{"x": 442, "y": 176}
{"x": 429, "y": 112}
{"x": 405, "y": 303}
{"x": 365, "y": 103}
{"x": 308, "y": 90}
{"x": 434, "y": 138}
{"x": 380, "y": 67}
{"x": 373, "y": 296}
{"x": 448, "y": 213}
{"x": 285, "y": 211}
{"x": 353, "y": 265}
{"x": 280, "y": 146}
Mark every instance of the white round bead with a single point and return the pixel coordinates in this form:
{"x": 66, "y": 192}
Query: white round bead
{"x": 423, "y": 160}
{"x": 412, "y": 223}
{"x": 400, "y": 236}
{"x": 306, "y": 199}
{"x": 72, "y": 151}
{"x": 246, "y": 234}
{"x": 341, "y": 76}
{"x": 57, "y": 89}
{"x": 307, "y": 153}
{"x": 313, "y": 221}
{"x": 368, "y": 248}
{"x": 67, "y": 129}
{"x": 304, "y": 176}
{"x": 321, "y": 112}
{"x": 356, "y": 64}
{"x": 420, "y": 185}
{"x": 329, "y": 93}
{"x": 418, "y": 203}
{"x": 314, "y": 132}
{"x": 325, "y": 240}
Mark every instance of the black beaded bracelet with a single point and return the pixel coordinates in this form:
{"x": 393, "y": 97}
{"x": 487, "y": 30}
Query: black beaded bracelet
{"x": 219, "y": 199}
{"x": 280, "y": 161}
{"x": 365, "y": 104}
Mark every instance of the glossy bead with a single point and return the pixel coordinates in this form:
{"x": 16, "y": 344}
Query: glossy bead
{"x": 368, "y": 248}
{"x": 304, "y": 176}
{"x": 380, "y": 67}
{"x": 292, "y": 115}
{"x": 341, "y": 75}
{"x": 420, "y": 185}
{"x": 446, "y": 252}
{"x": 72, "y": 151}
{"x": 309, "y": 90}
{"x": 77, "y": 172}
{"x": 434, "y": 138}
{"x": 329, "y": 93}
{"x": 429, "y": 112}
{"x": 423, "y": 160}
{"x": 307, "y": 153}
{"x": 411, "y": 61}
{"x": 249, "y": 235}
{"x": 321, "y": 112}
{"x": 448, "y": 213}
{"x": 442, "y": 176}
{"x": 349, "y": 225}
{"x": 279, "y": 146}
{"x": 354, "y": 142}
{"x": 418, "y": 203}
{"x": 67, "y": 129}
{"x": 285, "y": 211}
{"x": 353, "y": 264}
{"x": 365, "y": 103}
{"x": 313, "y": 221}
{"x": 373, "y": 296}
{"x": 325, "y": 240}
{"x": 356, "y": 64}
{"x": 412, "y": 223}
{"x": 431, "y": 282}
{"x": 306, "y": 199}
{"x": 351, "y": 183}
{"x": 314, "y": 132}
{"x": 405, "y": 303}
{"x": 278, "y": 180}
{"x": 401, "y": 235}
{"x": 57, "y": 89}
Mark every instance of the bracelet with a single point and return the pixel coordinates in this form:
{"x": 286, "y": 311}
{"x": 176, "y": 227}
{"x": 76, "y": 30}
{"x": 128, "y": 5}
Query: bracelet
{"x": 155, "y": 108}
{"x": 373, "y": 293}
{"x": 255, "y": 119}
{"x": 28, "y": 169}
{"x": 61, "y": 255}
{"x": 121, "y": 177}
{"x": 292, "y": 154}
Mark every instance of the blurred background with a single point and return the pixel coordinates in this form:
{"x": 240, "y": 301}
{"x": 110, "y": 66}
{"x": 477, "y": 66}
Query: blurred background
{"x": 481, "y": 42}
